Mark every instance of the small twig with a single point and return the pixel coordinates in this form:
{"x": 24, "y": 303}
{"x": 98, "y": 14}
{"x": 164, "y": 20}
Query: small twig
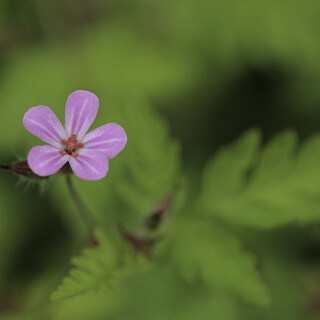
{"x": 83, "y": 209}
{"x": 158, "y": 213}
{"x": 142, "y": 244}
{"x": 22, "y": 168}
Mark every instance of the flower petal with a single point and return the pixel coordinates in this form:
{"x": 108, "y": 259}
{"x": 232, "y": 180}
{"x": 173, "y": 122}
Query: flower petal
{"x": 90, "y": 164}
{"x": 81, "y": 110}
{"x": 42, "y": 122}
{"x": 109, "y": 138}
{"x": 46, "y": 160}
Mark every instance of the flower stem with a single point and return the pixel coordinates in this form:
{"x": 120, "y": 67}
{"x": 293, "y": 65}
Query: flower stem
{"x": 84, "y": 211}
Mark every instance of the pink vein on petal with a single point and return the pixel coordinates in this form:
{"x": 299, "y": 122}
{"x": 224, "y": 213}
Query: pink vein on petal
{"x": 81, "y": 110}
{"x": 46, "y": 160}
{"x": 90, "y": 164}
{"x": 109, "y": 138}
{"x": 42, "y": 122}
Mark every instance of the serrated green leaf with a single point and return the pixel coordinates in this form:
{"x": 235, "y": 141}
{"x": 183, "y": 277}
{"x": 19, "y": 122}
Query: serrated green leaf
{"x": 276, "y": 159}
{"x": 281, "y": 187}
{"x": 94, "y": 269}
{"x": 206, "y": 251}
{"x": 226, "y": 173}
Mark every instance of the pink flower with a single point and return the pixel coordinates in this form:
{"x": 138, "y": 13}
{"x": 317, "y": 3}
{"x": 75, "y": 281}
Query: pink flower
{"x": 87, "y": 153}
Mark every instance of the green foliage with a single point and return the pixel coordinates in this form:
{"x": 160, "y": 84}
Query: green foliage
{"x": 156, "y": 293}
{"x": 235, "y": 35}
{"x": 177, "y": 54}
{"x": 159, "y": 293}
{"x": 93, "y": 305}
{"x": 207, "y": 251}
{"x": 226, "y": 172}
{"x": 150, "y": 168}
{"x": 268, "y": 188}
{"x": 95, "y": 268}
{"x": 284, "y": 272}
{"x": 13, "y": 228}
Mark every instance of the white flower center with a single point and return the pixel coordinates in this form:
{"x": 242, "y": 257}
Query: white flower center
{"x": 71, "y": 146}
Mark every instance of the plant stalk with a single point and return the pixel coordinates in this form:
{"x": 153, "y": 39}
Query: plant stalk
{"x": 84, "y": 211}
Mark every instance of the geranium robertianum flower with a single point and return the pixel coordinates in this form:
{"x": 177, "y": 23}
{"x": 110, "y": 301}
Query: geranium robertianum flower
{"x": 87, "y": 153}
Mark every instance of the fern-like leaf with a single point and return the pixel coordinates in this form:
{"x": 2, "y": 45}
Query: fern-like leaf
{"x": 95, "y": 268}
{"x": 265, "y": 188}
{"x": 207, "y": 251}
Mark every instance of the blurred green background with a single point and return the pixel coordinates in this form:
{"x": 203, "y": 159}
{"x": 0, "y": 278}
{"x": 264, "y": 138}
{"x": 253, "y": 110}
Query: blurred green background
{"x": 184, "y": 78}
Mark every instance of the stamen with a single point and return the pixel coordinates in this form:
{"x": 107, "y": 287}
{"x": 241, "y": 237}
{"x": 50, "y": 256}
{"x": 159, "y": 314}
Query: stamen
{"x": 72, "y": 146}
